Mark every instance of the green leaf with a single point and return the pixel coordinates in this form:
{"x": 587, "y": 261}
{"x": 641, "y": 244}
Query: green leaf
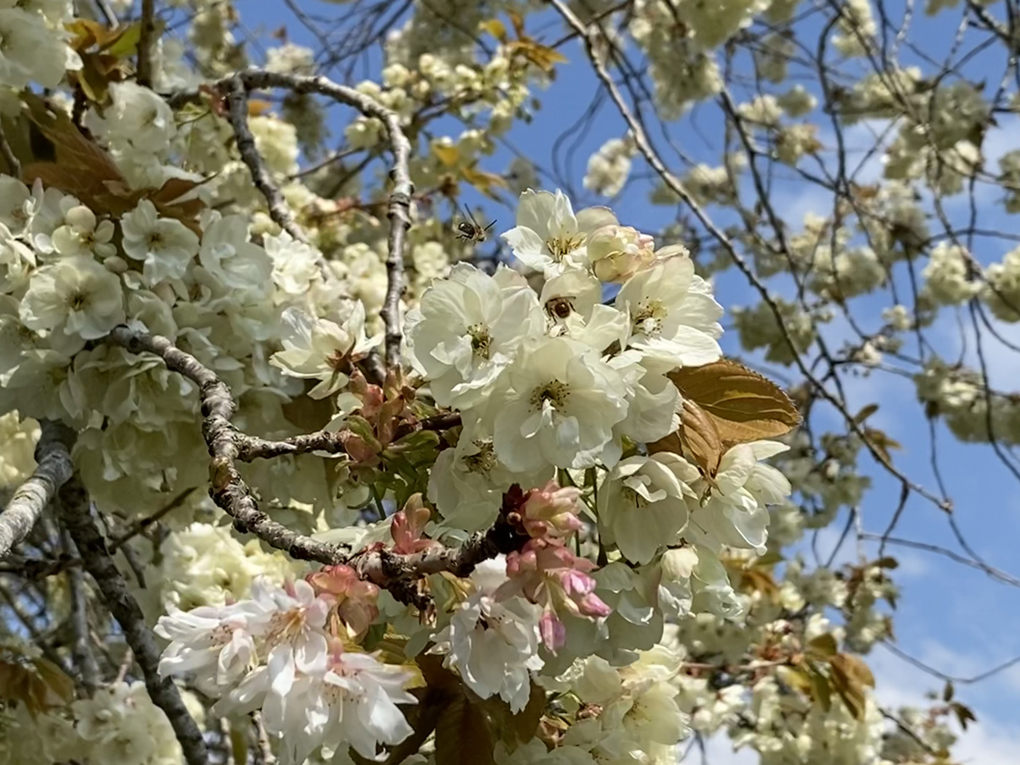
{"x": 822, "y": 647}
{"x": 126, "y": 43}
{"x": 374, "y": 636}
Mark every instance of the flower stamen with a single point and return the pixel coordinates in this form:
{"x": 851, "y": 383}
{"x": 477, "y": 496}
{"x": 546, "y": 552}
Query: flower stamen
{"x": 561, "y": 246}
{"x": 554, "y": 392}
{"x": 481, "y": 340}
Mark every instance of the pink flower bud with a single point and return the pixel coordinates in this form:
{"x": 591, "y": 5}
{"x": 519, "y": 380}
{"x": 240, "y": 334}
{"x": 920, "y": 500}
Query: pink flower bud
{"x": 546, "y": 572}
{"x": 551, "y": 511}
{"x": 554, "y": 634}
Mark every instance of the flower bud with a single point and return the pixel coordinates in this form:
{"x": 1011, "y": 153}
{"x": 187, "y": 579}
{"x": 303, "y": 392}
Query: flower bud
{"x": 618, "y": 252}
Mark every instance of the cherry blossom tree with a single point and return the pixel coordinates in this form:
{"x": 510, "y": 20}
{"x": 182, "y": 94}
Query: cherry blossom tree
{"x": 305, "y": 461}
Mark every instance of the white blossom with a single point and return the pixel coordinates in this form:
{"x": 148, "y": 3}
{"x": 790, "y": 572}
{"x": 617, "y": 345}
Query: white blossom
{"x": 493, "y": 645}
{"x": 321, "y": 349}
{"x": 164, "y": 245}
{"x": 559, "y": 408}
{"x": 674, "y": 319}
{"x": 76, "y": 295}
{"x": 467, "y": 330}
{"x": 549, "y": 237}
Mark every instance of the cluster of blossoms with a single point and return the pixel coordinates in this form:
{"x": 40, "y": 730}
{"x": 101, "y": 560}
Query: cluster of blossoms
{"x": 287, "y": 650}
{"x": 554, "y": 390}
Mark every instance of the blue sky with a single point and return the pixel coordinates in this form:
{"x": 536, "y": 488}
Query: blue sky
{"x": 950, "y": 616}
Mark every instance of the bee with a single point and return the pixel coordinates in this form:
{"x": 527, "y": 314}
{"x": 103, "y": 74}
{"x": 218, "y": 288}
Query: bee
{"x": 470, "y": 231}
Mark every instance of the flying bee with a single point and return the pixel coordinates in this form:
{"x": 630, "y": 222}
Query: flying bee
{"x": 470, "y": 231}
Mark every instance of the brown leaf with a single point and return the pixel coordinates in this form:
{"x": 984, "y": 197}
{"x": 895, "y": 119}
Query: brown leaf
{"x": 91, "y": 189}
{"x": 881, "y": 442}
{"x": 527, "y": 720}
{"x": 174, "y": 200}
{"x": 849, "y": 675}
{"x": 513, "y": 729}
{"x": 743, "y": 405}
{"x": 463, "y": 735}
{"x": 436, "y": 675}
{"x": 71, "y": 146}
{"x": 854, "y": 667}
{"x": 39, "y": 685}
{"x": 963, "y": 714}
{"x": 700, "y": 439}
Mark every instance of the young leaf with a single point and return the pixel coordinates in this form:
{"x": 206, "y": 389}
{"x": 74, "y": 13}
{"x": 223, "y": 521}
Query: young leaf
{"x": 821, "y": 690}
{"x": 855, "y": 668}
{"x": 865, "y": 413}
{"x": 743, "y": 405}
{"x": 697, "y": 440}
{"x": 963, "y": 714}
{"x": 448, "y": 155}
{"x": 463, "y": 736}
{"x": 823, "y": 646}
{"x": 849, "y": 676}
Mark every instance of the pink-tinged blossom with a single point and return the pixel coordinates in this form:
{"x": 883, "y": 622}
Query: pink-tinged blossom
{"x": 408, "y": 525}
{"x": 350, "y": 700}
{"x": 354, "y": 600}
{"x": 551, "y": 511}
{"x": 292, "y": 640}
{"x": 547, "y": 573}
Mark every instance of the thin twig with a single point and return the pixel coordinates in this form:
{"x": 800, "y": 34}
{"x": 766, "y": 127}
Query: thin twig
{"x": 53, "y": 456}
{"x": 83, "y": 658}
{"x": 8, "y": 154}
{"x": 142, "y": 524}
{"x": 991, "y": 571}
{"x": 654, "y": 161}
{"x": 950, "y": 678}
{"x": 148, "y": 28}
{"x": 76, "y": 513}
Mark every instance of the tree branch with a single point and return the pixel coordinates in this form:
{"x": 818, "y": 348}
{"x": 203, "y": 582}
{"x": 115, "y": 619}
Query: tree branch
{"x": 398, "y": 573}
{"x": 236, "y": 94}
{"x": 8, "y": 154}
{"x": 76, "y": 514}
{"x": 228, "y": 490}
{"x": 53, "y": 456}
